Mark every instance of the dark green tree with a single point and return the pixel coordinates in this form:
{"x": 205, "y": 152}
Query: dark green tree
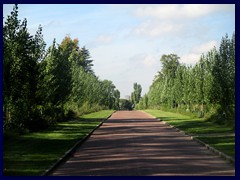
{"x": 117, "y": 98}
{"x": 224, "y": 77}
{"x": 136, "y": 94}
{"x": 125, "y": 104}
{"x": 21, "y": 54}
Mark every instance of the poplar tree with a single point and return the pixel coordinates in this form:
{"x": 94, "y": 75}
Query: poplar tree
{"x": 136, "y": 94}
{"x": 21, "y": 54}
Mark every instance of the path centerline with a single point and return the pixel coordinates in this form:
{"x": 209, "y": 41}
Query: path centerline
{"x": 133, "y": 143}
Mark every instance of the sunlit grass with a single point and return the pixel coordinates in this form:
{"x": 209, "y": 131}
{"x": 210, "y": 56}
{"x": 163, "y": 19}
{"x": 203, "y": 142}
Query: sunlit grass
{"x": 219, "y": 136}
{"x": 33, "y": 153}
{"x": 224, "y": 144}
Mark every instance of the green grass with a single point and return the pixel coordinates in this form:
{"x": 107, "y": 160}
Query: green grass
{"x": 220, "y": 137}
{"x": 223, "y": 144}
{"x": 33, "y": 153}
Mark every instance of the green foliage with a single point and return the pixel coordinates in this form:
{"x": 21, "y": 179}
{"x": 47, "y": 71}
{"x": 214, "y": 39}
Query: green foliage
{"x": 116, "y": 94}
{"x": 21, "y": 56}
{"x": 136, "y": 94}
{"x": 143, "y": 103}
{"x": 209, "y": 84}
{"x": 88, "y": 93}
{"x": 43, "y": 87}
{"x": 125, "y": 104}
{"x": 170, "y": 64}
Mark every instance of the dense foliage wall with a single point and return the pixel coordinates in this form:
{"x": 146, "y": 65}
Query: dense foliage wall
{"x": 43, "y": 86}
{"x": 206, "y": 89}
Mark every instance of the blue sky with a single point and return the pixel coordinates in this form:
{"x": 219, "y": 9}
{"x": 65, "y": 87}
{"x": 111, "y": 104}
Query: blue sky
{"x": 126, "y": 42}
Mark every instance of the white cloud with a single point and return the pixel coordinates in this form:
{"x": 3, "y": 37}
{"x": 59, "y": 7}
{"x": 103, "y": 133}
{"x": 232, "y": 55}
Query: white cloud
{"x": 173, "y": 20}
{"x": 149, "y": 61}
{"x": 101, "y": 40}
{"x": 191, "y": 58}
{"x": 146, "y": 60}
{"x": 104, "y": 39}
{"x": 156, "y": 28}
{"x": 181, "y": 11}
{"x": 196, "y": 51}
{"x": 203, "y": 48}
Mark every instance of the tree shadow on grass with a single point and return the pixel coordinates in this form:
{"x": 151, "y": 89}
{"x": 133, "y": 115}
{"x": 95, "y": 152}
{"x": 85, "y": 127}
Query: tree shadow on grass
{"x": 195, "y": 126}
{"x": 33, "y": 153}
{"x": 224, "y": 144}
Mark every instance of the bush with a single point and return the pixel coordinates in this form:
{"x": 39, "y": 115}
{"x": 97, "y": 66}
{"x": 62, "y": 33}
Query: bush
{"x": 36, "y": 124}
{"x": 219, "y": 115}
{"x": 41, "y": 118}
{"x": 70, "y": 114}
{"x": 72, "y": 110}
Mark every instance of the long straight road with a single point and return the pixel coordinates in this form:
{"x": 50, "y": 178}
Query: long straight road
{"x": 133, "y": 143}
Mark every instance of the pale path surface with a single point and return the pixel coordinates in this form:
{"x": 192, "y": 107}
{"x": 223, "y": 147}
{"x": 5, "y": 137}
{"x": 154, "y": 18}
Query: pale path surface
{"x": 133, "y": 143}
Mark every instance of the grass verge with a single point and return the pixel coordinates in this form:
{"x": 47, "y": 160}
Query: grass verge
{"x": 220, "y": 137}
{"x": 33, "y": 153}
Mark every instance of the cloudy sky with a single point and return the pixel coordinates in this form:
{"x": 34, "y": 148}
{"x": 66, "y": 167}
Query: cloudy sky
{"x": 126, "y": 42}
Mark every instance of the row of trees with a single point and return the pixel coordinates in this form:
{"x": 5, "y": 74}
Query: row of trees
{"x": 207, "y": 88}
{"x": 44, "y": 86}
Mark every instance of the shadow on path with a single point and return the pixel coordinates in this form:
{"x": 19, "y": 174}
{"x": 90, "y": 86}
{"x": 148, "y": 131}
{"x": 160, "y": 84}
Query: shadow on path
{"x": 132, "y": 143}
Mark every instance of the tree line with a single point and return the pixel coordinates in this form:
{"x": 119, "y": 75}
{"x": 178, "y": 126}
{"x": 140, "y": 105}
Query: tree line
{"x": 206, "y": 89}
{"x": 43, "y": 86}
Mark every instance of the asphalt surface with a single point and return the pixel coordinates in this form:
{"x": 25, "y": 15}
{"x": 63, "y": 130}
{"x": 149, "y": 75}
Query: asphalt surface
{"x": 133, "y": 143}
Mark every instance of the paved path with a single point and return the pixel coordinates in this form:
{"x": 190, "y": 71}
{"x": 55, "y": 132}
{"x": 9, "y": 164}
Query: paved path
{"x": 133, "y": 143}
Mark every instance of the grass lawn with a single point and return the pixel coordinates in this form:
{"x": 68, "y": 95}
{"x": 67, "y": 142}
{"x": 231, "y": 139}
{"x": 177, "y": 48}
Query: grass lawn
{"x": 218, "y": 136}
{"x": 33, "y": 153}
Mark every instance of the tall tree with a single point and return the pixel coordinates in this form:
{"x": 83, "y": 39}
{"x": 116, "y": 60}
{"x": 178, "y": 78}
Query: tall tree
{"x": 178, "y": 86}
{"x": 169, "y": 65}
{"x": 39, "y": 85}
{"x": 21, "y": 54}
{"x": 136, "y": 94}
{"x": 199, "y": 84}
{"x": 224, "y": 76}
{"x": 108, "y": 90}
{"x": 208, "y": 86}
{"x": 116, "y": 94}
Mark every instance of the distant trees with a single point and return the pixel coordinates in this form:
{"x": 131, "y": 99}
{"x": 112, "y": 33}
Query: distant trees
{"x": 44, "y": 86}
{"x": 208, "y": 87}
{"x": 143, "y": 103}
{"x": 116, "y": 94}
{"x": 136, "y": 94}
{"x": 125, "y": 104}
